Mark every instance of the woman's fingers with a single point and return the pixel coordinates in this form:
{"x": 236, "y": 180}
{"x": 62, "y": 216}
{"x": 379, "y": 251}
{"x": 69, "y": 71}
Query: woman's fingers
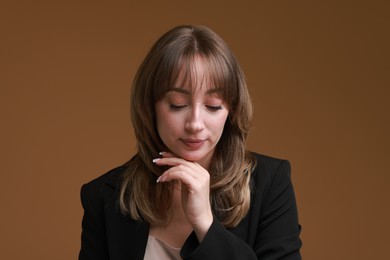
{"x": 195, "y": 182}
{"x": 180, "y": 169}
{"x": 167, "y": 154}
{"x": 175, "y": 173}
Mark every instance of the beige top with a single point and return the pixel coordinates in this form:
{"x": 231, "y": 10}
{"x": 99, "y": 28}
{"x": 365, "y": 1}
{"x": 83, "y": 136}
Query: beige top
{"x": 157, "y": 249}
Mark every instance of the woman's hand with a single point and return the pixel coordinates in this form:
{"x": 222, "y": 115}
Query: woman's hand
{"x": 195, "y": 190}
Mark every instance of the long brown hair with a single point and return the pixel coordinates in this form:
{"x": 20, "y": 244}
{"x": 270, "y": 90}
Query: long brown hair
{"x": 231, "y": 165}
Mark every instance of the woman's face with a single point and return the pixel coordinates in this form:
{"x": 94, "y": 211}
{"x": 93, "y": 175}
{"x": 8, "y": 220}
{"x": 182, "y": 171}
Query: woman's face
{"x": 190, "y": 120}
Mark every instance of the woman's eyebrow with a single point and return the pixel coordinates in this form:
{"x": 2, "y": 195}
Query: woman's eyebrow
{"x": 213, "y": 90}
{"x": 188, "y": 92}
{"x": 180, "y": 90}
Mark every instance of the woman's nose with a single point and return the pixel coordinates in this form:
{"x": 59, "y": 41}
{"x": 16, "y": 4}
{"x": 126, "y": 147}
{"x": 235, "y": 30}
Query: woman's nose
{"x": 194, "y": 122}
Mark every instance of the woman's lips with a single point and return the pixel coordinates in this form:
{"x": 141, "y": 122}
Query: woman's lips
{"x": 193, "y": 143}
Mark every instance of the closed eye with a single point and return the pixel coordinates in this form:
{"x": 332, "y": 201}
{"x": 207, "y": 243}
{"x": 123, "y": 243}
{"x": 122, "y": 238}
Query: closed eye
{"x": 214, "y": 108}
{"x": 176, "y": 107}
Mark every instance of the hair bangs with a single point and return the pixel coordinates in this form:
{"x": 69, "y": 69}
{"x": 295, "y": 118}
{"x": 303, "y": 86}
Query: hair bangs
{"x": 194, "y": 70}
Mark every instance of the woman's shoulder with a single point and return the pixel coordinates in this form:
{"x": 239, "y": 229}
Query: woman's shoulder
{"x": 267, "y": 161}
{"x": 109, "y": 180}
{"x": 267, "y": 168}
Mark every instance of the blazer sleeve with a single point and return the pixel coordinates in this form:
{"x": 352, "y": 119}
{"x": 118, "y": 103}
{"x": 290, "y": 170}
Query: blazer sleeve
{"x": 93, "y": 235}
{"x": 276, "y": 227}
{"x": 218, "y": 243}
{"x": 278, "y": 230}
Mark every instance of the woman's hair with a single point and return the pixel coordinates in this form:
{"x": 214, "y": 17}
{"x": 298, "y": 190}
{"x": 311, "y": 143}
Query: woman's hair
{"x": 230, "y": 169}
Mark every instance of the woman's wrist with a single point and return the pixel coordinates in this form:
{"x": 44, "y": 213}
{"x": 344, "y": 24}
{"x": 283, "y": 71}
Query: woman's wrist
{"x": 202, "y": 228}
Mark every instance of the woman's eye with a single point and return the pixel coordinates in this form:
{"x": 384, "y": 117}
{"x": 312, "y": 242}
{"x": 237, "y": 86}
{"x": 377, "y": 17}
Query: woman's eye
{"x": 214, "y": 108}
{"x": 176, "y": 107}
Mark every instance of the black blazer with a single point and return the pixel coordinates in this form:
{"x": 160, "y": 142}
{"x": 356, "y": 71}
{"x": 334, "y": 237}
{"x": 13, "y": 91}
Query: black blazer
{"x": 270, "y": 230}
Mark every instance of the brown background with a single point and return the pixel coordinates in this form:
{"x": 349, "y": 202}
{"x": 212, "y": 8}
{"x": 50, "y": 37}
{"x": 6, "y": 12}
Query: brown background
{"x": 318, "y": 74}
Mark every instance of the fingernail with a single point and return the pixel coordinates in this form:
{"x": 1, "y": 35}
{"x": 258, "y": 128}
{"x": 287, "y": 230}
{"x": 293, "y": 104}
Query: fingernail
{"x": 158, "y": 179}
{"x": 155, "y": 160}
{"x": 162, "y": 153}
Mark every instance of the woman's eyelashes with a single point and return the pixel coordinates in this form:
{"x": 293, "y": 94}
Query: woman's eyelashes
{"x": 214, "y": 108}
{"x": 177, "y": 107}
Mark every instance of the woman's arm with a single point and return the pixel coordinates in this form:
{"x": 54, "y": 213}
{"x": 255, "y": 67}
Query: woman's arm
{"x": 276, "y": 227}
{"x": 278, "y": 230}
{"x": 93, "y": 236}
{"x": 219, "y": 243}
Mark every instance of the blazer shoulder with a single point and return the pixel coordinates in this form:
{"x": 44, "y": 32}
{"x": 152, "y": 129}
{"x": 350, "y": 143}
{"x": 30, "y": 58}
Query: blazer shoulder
{"x": 268, "y": 162}
{"x": 111, "y": 178}
{"x": 268, "y": 167}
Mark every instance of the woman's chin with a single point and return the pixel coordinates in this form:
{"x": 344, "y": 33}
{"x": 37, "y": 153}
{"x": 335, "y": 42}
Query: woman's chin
{"x": 202, "y": 159}
{"x": 191, "y": 158}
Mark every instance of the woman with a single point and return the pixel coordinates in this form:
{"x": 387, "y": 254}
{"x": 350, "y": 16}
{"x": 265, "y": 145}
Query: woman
{"x": 192, "y": 191}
